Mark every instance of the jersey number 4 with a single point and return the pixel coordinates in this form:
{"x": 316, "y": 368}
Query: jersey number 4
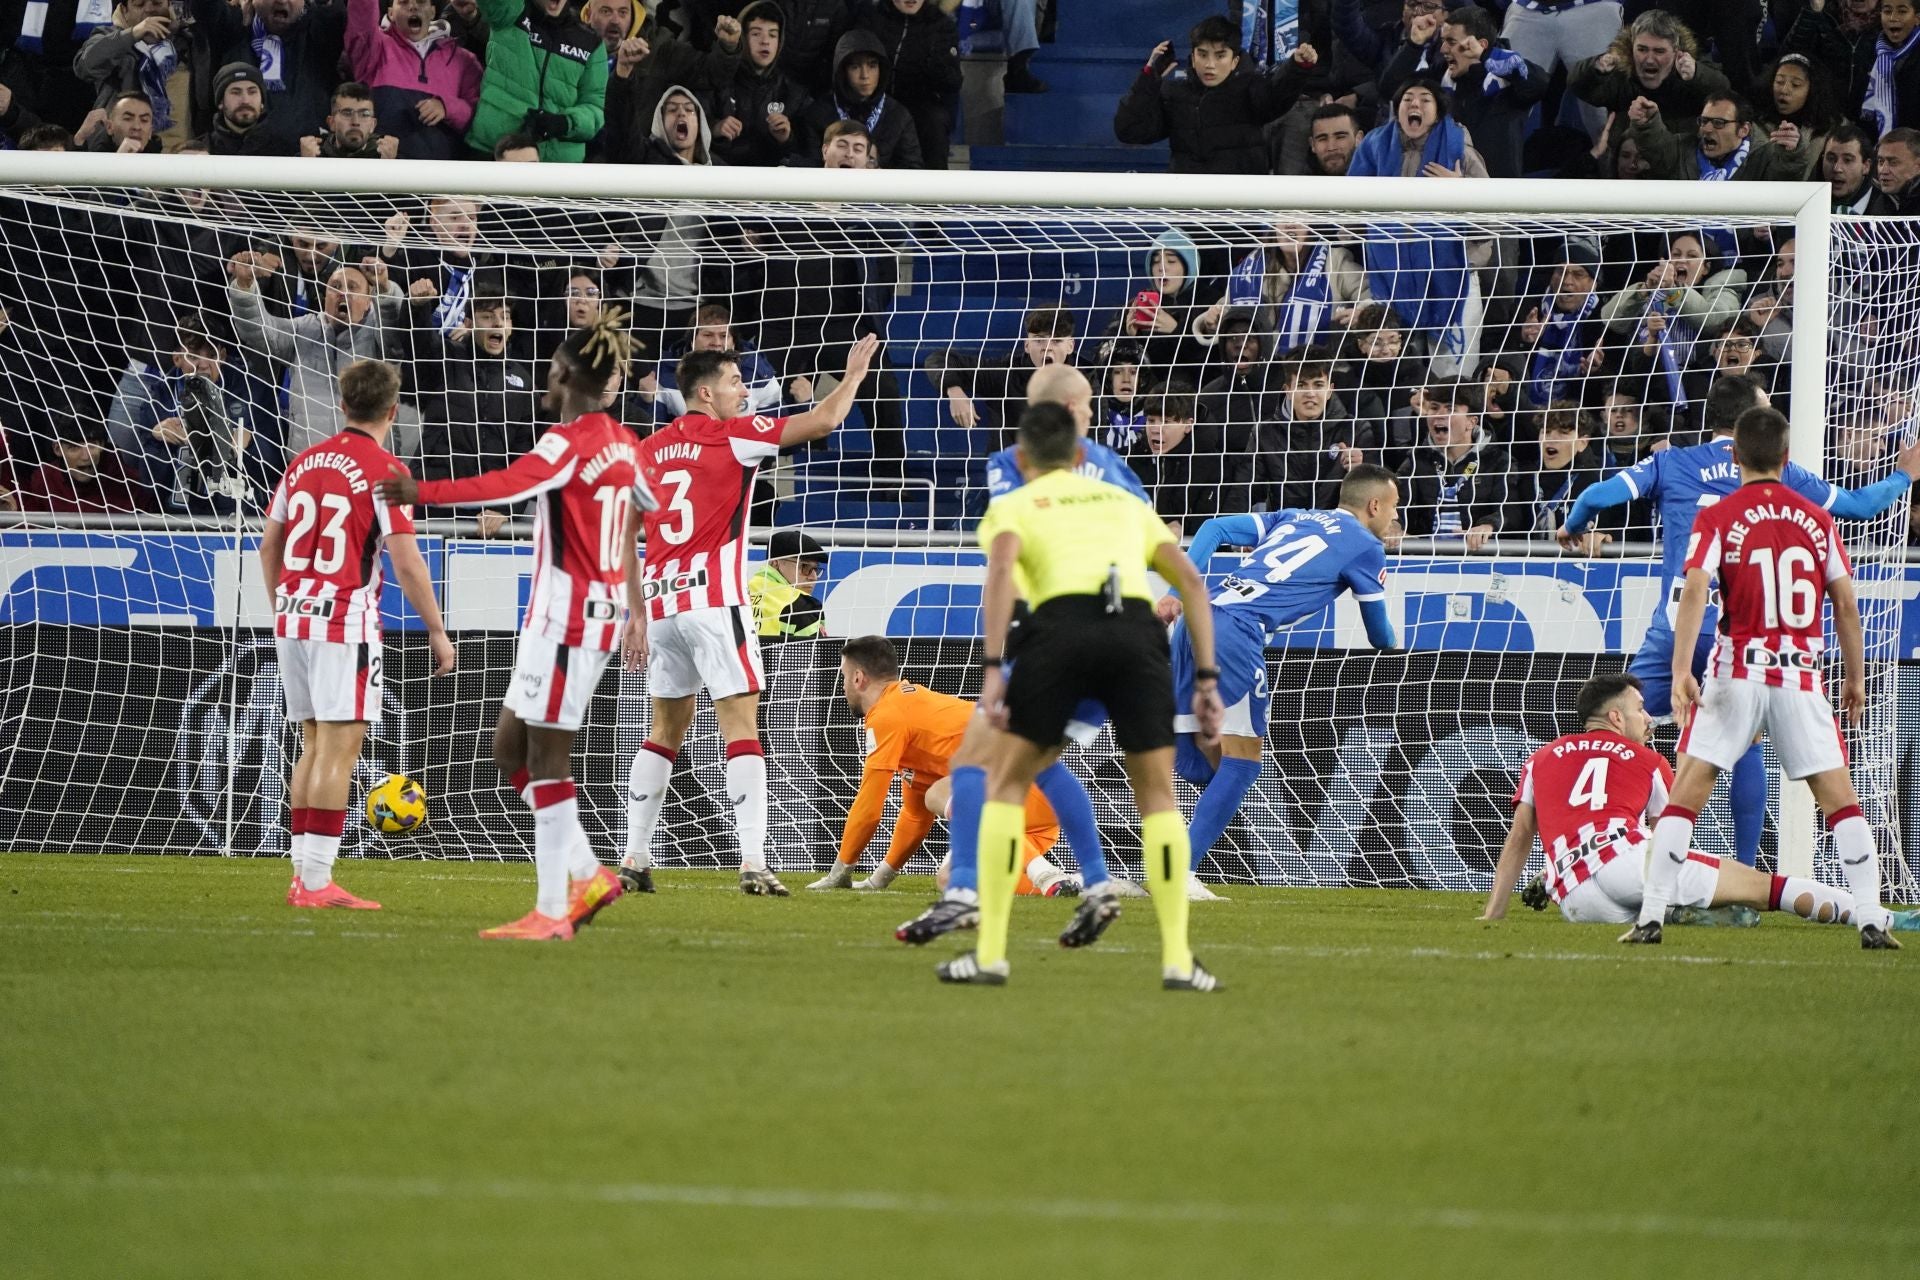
{"x": 1590, "y": 788}
{"x": 326, "y": 549}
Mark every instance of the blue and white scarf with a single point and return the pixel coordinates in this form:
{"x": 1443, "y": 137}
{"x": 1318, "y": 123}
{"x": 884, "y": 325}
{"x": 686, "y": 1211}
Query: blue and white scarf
{"x": 1304, "y": 313}
{"x": 271, "y": 54}
{"x": 873, "y": 117}
{"x": 1882, "y": 106}
{"x": 157, "y": 63}
{"x": 1558, "y": 354}
{"x": 451, "y": 312}
{"x": 92, "y": 17}
{"x": 1673, "y": 348}
{"x": 1123, "y": 428}
{"x": 1269, "y": 29}
{"x": 1711, "y": 172}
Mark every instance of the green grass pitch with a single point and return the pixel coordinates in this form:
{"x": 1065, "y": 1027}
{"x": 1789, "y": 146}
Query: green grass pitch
{"x": 197, "y": 1081}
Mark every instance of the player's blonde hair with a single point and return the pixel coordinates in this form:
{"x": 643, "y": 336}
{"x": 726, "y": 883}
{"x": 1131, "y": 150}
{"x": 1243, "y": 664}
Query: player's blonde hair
{"x": 602, "y": 349}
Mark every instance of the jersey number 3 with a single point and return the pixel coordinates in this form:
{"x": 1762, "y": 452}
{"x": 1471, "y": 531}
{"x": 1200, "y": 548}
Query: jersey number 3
{"x": 678, "y": 527}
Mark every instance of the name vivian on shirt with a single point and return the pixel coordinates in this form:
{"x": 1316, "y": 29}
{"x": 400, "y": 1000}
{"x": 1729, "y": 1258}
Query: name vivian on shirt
{"x": 1737, "y": 532}
{"x": 345, "y": 465}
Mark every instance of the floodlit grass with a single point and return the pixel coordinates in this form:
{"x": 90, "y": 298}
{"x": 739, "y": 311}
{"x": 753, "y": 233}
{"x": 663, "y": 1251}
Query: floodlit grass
{"x": 196, "y": 1081}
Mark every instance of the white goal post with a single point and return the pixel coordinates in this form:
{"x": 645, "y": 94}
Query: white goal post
{"x": 1097, "y": 208}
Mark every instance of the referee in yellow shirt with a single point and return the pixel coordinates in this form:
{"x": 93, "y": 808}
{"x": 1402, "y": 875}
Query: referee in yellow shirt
{"x": 1082, "y": 549}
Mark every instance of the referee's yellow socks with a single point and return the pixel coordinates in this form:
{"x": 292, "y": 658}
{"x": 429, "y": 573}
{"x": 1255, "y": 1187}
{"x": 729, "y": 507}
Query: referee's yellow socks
{"x": 1003, "y": 830}
{"x": 1164, "y": 846}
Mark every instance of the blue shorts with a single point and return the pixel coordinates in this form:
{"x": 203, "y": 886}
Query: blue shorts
{"x": 1240, "y": 651}
{"x": 1654, "y": 667}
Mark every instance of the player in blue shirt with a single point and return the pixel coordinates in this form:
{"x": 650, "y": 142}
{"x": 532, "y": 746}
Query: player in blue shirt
{"x": 958, "y": 908}
{"x": 1300, "y": 563}
{"x": 1680, "y": 482}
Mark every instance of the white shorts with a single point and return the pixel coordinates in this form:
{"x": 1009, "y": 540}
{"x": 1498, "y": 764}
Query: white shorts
{"x": 1798, "y": 722}
{"x": 335, "y": 683}
{"x": 1239, "y": 721}
{"x": 717, "y": 649}
{"x": 553, "y": 683}
{"x": 1613, "y": 895}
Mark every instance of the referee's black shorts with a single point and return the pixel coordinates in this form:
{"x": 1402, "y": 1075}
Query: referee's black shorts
{"x": 1071, "y": 649}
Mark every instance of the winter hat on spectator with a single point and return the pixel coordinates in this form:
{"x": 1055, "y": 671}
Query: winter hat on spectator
{"x": 1578, "y": 251}
{"x": 1180, "y": 246}
{"x": 237, "y": 73}
{"x": 793, "y": 544}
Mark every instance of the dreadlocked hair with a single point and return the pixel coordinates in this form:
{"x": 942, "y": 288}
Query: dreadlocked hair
{"x": 602, "y": 349}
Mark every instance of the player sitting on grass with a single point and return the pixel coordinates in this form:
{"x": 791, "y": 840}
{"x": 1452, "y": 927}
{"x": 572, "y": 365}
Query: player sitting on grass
{"x": 1680, "y": 482}
{"x": 914, "y": 728}
{"x": 586, "y": 474}
{"x": 1589, "y": 797}
{"x": 1300, "y": 564}
{"x": 1776, "y": 555}
{"x": 323, "y": 578}
{"x": 1082, "y": 549}
{"x": 958, "y": 907}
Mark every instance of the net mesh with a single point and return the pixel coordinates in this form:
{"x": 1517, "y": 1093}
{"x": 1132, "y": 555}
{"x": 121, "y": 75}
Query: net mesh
{"x": 166, "y": 352}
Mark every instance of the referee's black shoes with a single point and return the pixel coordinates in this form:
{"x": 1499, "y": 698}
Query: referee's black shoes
{"x": 1199, "y": 980}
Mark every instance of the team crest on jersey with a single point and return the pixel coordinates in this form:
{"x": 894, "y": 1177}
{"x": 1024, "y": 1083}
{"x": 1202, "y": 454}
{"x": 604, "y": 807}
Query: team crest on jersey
{"x": 551, "y": 447}
{"x": 764, "y": 424}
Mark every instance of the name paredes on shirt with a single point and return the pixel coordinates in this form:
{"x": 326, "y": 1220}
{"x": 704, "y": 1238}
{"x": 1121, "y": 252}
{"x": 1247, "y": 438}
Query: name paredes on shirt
{"x": 1609, "y": 746}
{"x": 1765, "y": 511}
{"x": 607, "y": 457}
{"x": 347, "y": 466}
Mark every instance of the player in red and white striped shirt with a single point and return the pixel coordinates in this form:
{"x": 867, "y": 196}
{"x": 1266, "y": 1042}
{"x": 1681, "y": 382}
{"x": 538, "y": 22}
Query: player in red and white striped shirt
{"x": 584, "y": 477}
{"x": 320, "y": 559}
{"x": 1589, "y": 797}
{"x": 1776, "y": 556}
{"x": 694, "y": 624}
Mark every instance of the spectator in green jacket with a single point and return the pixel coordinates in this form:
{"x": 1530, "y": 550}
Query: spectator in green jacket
{"x": 546, "y": 77}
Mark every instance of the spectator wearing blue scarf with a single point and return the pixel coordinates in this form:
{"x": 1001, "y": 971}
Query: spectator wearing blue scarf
{"x": 1421, "y": 270}
{"x": 1563, "y": 329}
{"x": 1682, "y": 300}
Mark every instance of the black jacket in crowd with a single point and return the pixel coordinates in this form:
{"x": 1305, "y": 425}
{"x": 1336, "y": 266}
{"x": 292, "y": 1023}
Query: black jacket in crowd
{"x": 755, "y": 93}
{"x": 923, "y": 51}
{"x": 1478, "y": 482}
{"x": 1217, "y": 130}
{"x": 887, "y": 120}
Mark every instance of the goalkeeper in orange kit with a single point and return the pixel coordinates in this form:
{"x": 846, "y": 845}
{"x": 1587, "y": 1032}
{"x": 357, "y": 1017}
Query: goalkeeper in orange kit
{"x": 915, "y": 729}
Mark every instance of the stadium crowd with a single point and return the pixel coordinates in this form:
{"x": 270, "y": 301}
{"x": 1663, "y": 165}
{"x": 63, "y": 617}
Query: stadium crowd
{"x": 1500, "y": 372}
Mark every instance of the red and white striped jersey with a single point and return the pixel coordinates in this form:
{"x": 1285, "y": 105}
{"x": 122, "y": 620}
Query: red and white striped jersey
{"x": 1595, "y": 796}
{"x": 1774, "y": 553}
{"x": 587, "y": 478}
{"x": 702, "y": 468}
{"x": 330, "y": 573}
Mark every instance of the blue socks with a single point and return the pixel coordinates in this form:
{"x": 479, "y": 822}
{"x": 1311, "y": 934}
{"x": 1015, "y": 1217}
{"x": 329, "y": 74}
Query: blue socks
{"x": 1219, "y": 802}
{"x": 1748, "y": 792}
{"x": 1189, "y": 761}
{"x": 1074, "y": 808}
{"x": 968, "y": 798}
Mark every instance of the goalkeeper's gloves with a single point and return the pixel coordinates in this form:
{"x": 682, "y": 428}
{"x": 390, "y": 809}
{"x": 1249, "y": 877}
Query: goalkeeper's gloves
{"x": 1535, "y": 894}
{"x": 547, "y": 124}
{"x": 1506, "y": 64}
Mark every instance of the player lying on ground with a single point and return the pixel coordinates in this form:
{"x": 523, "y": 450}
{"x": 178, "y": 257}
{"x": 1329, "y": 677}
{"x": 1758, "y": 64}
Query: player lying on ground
{"x": 323, "y": 578}
{"x": 1680, "y": 482}
{"x": 913, "y": 728}
{"x": 586, "y": 474}
{"x": 693, "y": 620}
{"x": 1776, "y": 555}
{"x": 958, "y": 906}
{"x": 1300, "y": 564}
{"x": 1083, "y": 548}
{"x": 1589, "y": 797}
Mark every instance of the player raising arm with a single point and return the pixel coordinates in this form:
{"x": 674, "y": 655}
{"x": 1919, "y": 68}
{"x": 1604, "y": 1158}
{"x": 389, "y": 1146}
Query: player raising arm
{"x": 1083, "y": 549}
{"x": 693, "y": 616}
{"x": 586, "y": 475}
{"x": 917, "y": 730}
{"x": 1680, "y": 482}
{"x": 1300, "y": 563}
{"x": 320, "y": 559}
{"x": 1589, "y": 797}
{"x": 1776, "y": 555}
